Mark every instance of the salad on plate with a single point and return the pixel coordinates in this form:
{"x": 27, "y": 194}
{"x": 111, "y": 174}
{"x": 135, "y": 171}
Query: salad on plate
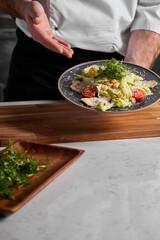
{"x": 111, "y": 85}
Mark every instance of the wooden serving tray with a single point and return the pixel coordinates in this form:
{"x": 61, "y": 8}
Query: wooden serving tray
{"x": 65, "y": 122}
{"x": 60, "y": 159}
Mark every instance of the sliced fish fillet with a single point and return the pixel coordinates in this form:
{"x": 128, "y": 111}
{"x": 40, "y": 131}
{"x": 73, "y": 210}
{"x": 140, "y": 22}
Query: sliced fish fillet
{"x": 77, "y": 86}
{"x": 95, "y": 101}
{"x": 151, "y": 83}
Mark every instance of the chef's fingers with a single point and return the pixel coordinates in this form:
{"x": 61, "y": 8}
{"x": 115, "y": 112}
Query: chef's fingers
{"x": 62, "y": 42}
{"x": 55, "y": 46}
{"x": 66, "y": 46}
{"x": 67, "y": 51}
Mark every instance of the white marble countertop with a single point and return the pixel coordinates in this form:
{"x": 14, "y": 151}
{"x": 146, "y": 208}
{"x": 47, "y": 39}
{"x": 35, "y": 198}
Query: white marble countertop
{"x": 112, "y": 192}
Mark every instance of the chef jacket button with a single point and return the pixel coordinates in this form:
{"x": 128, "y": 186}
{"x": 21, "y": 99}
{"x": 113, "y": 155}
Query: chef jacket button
{"x": 56, "y": 28}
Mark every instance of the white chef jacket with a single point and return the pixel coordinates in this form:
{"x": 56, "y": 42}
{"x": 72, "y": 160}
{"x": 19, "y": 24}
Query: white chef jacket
{"x": 99, "y": 25}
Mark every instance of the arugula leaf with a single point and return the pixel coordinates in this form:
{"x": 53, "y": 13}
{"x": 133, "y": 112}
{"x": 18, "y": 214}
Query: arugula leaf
{"x": 15, "y": 169}
{"x": 113, "y": 69}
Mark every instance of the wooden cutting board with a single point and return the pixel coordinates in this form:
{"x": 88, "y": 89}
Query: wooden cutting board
{"x": 65, "y": 122}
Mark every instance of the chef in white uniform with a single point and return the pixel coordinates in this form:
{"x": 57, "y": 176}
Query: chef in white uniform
{"x": 54, "y": 35}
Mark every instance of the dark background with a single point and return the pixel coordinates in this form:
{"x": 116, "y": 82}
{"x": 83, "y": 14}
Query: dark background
{"x": 7, "y": 43}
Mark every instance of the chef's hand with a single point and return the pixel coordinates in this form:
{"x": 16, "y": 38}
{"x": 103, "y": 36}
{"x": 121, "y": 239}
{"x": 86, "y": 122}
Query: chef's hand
{"x": 143, "y": 48}
{"x": 39, "y": 28}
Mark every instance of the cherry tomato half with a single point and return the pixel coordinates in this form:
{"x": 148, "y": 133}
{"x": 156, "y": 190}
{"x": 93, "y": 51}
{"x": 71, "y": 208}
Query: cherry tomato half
{"x": 138, "y": 93}
{"x": 89, "y": 92}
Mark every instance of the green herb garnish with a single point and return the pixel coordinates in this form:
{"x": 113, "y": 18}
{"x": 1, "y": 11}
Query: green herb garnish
{"x": 113, "y": 69}
{"x": 15, "y": 169}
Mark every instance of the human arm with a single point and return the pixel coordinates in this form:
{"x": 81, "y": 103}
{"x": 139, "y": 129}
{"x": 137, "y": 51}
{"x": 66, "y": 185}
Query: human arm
{"x": 143, "y": 48}
{"x": 144, "y": 43}
{"x": 34, "y": 15}
{"x": 15, "y": 8}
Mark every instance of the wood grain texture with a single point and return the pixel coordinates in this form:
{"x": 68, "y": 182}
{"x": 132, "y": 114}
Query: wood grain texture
{"x": 65, "y": 122}
{"x": 60, "y": 159}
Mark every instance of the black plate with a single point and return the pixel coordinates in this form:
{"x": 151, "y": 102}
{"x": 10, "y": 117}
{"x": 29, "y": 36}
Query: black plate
{"x": 66, "y": 78}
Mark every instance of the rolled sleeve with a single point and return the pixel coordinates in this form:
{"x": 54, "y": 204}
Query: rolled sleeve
{"x": 147, "y": 16}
